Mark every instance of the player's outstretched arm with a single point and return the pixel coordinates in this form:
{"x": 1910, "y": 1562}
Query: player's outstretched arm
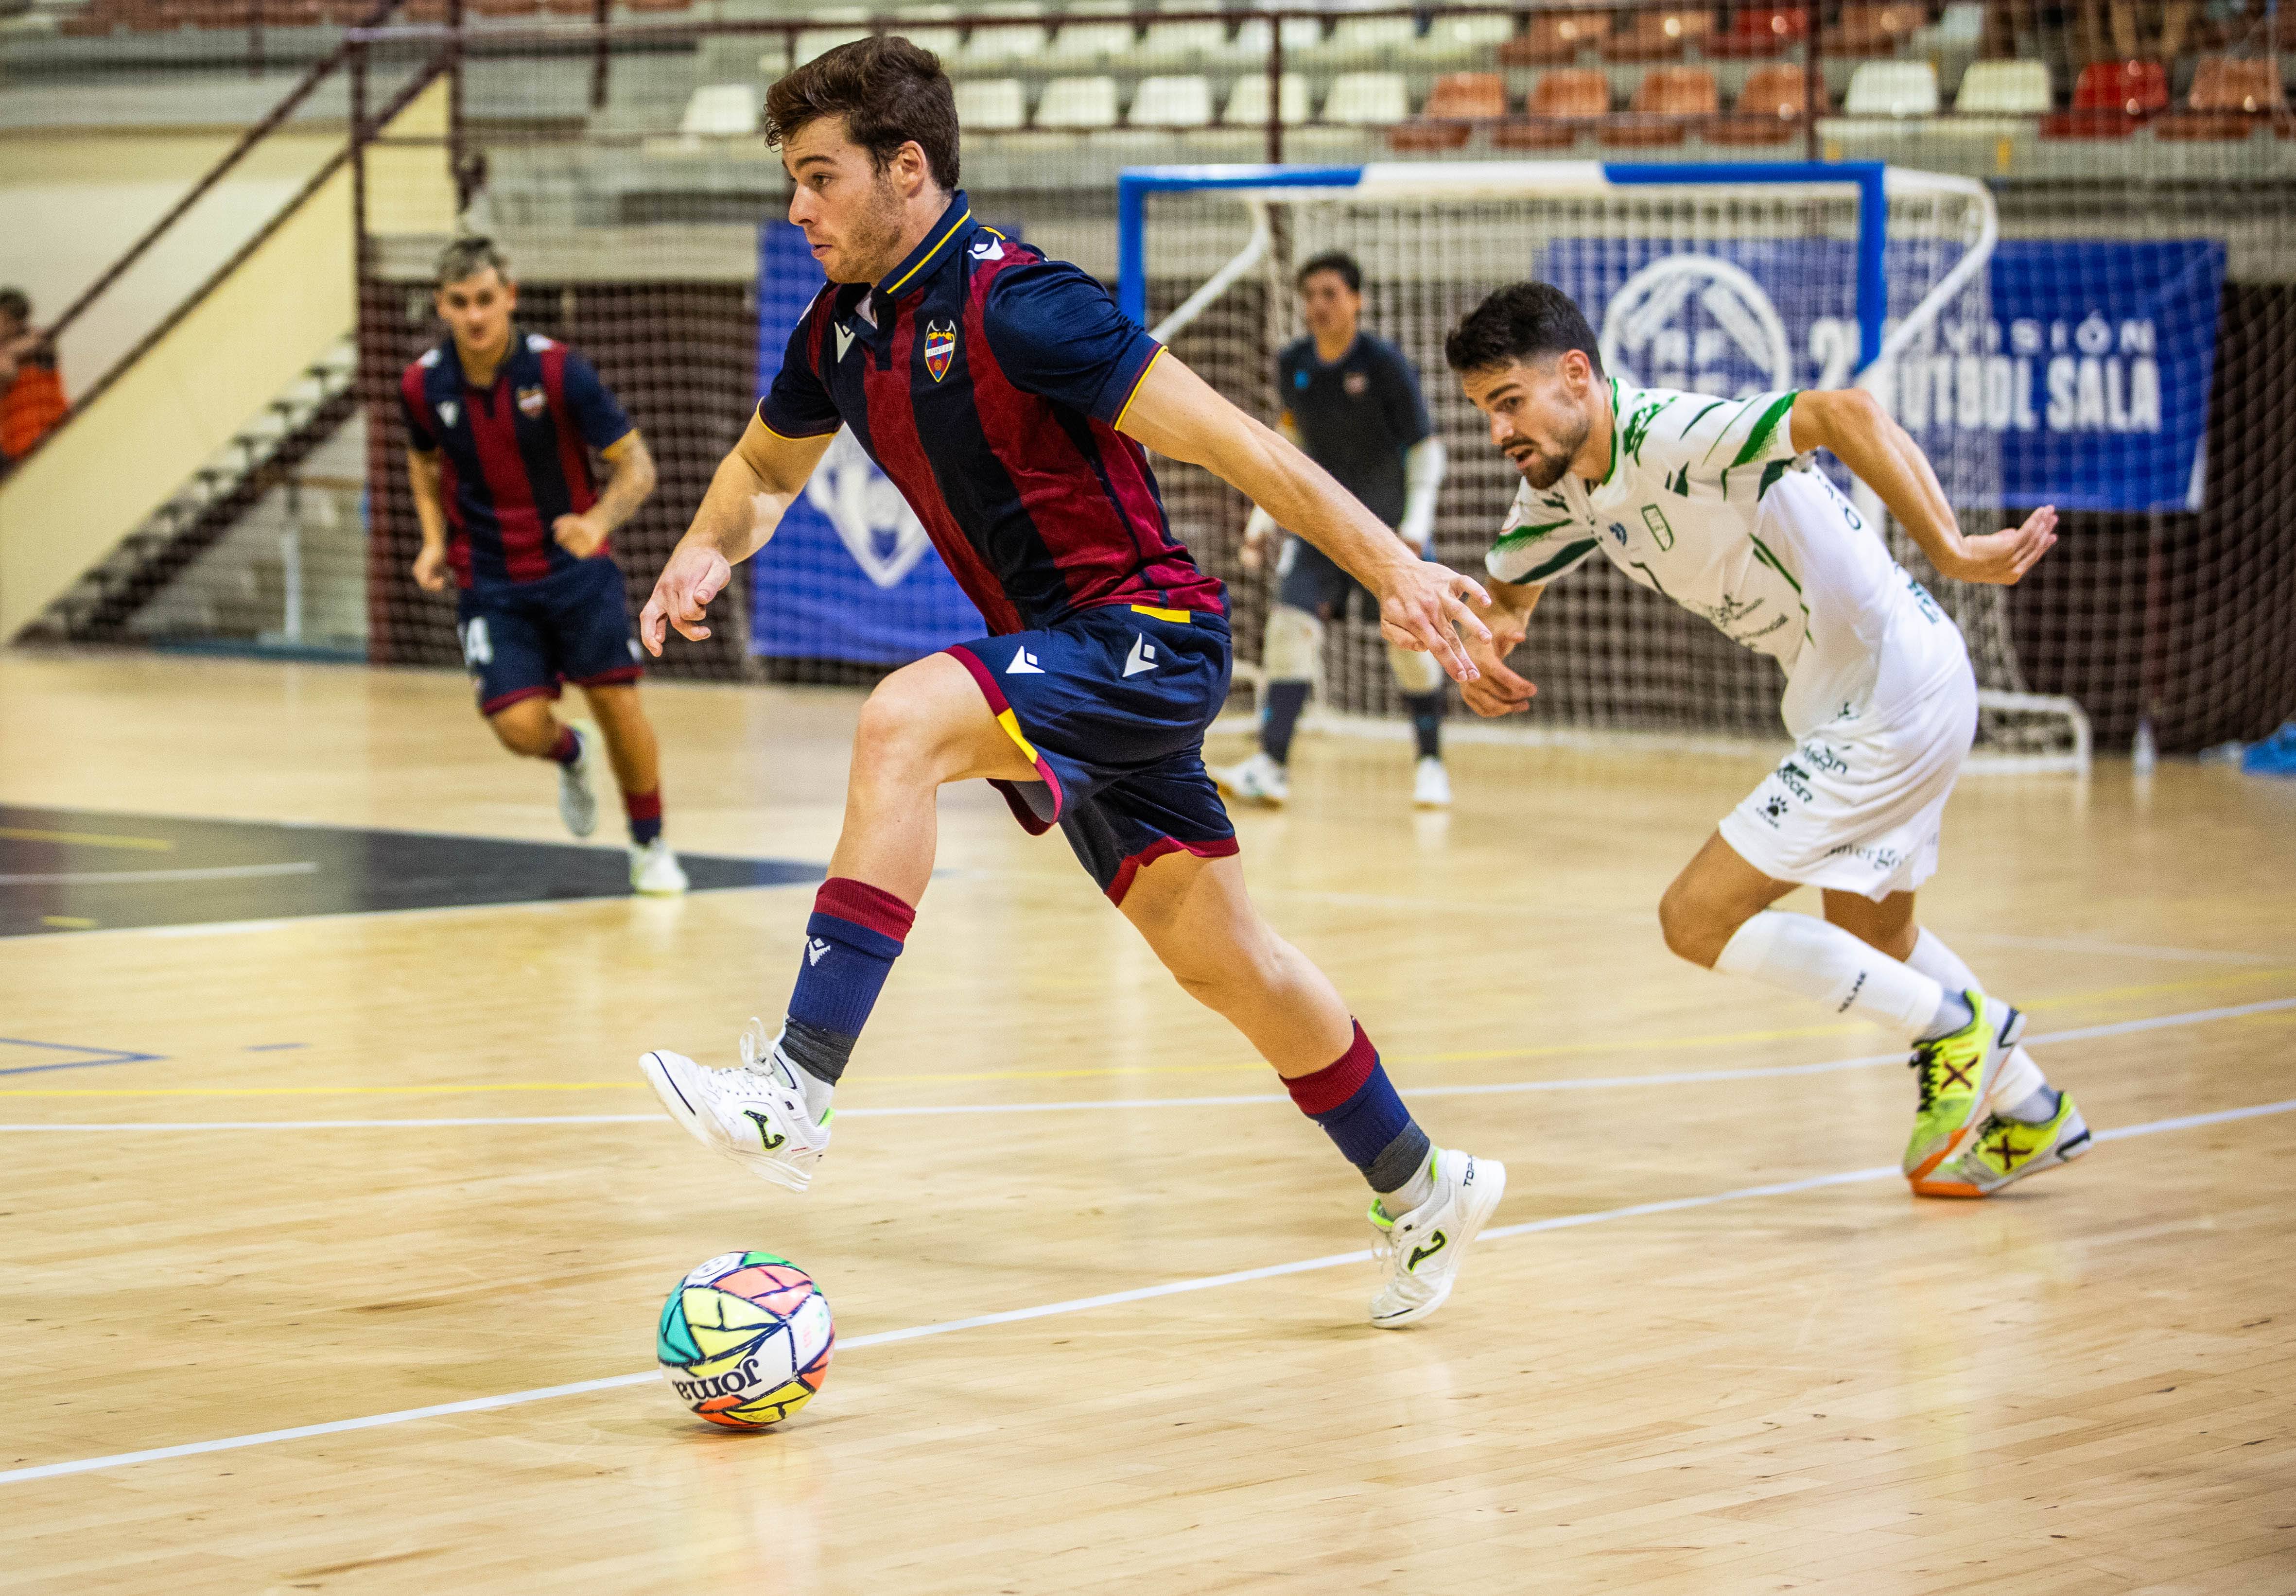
{"x": 752, "y": 489}
{"x": 1862, "y": 435}
{"x": 1177, "y": 412}
{"x": 1499, "y": 690}
{"x": 633, "y": 480}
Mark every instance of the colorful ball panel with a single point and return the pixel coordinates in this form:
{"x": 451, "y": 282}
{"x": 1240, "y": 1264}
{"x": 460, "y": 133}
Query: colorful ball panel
{"x": 745, "y": 1339}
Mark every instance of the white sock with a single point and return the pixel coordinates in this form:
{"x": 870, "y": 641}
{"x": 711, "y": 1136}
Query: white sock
{"x": 1941, "y": 964}
{"x": 2023, "y": 1093}
{"x": 1805, "y": 954}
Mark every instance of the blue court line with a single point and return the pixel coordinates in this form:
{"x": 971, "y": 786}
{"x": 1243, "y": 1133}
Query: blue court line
{"x": 105, "y": 1055}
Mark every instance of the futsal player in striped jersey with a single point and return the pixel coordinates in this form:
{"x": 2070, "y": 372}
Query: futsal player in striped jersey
{"x": 1009, "y": 401}
{"x": 1716, "y": 504}
{"x": 500, "y": 428}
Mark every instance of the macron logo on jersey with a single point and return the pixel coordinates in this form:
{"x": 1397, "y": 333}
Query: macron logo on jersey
{"x": 447, "y": 411}
{"x": 1024, "y": 664}
{"x": 844, "y": 338}
{"x": 1143, "y": 656}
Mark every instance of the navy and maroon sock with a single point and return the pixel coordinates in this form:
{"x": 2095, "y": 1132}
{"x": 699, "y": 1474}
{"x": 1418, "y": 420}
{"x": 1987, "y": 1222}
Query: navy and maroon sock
{"x": 1285, "y": 700}
{"x": 1356, "y": 1105}
{"x": 567, "y": 748}
{"x": 855, "y": 933}
{"x": 645, "y": 810}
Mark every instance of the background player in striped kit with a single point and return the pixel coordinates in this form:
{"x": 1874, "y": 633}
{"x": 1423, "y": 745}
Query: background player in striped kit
{"x": 500, "y": 427}
{"x": 1352, "y": 401}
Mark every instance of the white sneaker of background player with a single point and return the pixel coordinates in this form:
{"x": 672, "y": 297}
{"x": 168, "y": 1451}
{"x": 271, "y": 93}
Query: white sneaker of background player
{"x": 755, "y": 1114}
{"x": 1424, "y": 1249}
{"x": 577, "y": 782}
{"x": 1431, "y": 785}
{"x": 654, "y": 869}
{"x": 1258, "y": 779}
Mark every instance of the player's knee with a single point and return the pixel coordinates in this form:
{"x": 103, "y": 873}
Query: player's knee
{"x": 906, "y": 728}
{"x": 526, "y": 728}
{"x": 1416, "y": 674}
{"x": 1691, "y": 928}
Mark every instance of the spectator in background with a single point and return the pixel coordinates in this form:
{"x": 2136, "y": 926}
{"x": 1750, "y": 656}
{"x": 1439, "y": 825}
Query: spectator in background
{"x": 31, "y": 394}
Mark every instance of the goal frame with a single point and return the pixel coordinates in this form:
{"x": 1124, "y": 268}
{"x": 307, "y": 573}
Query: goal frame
{"x": 1871, "y": 184}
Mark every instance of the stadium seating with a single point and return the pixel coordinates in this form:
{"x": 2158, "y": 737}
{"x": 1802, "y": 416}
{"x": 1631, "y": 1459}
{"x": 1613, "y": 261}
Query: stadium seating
{"x": 2112, "y": 99}
{"x": 1893, "y": 88}
{"x": 1564, "y": 97}
{"x": 1658, "y": 35}
{"x": 842, "y": 25}
{"x": 991, "y": 104}
{"x": 931, "y": 28}
{"x": 1457, "y": 101}
{"x": 1554, "y": 40}
{"x": 1001, "y": 46}
{"x": 1366, "y": 100}
{"x": 1770, "y": 108}
{"x": 1172, "y": 102}
{"x": 1760, "y": 30}
{"x": 1074, "y": 103}
{"x": 1358, "y": 38}
{"x": 2005, "y": 88}
{"x": 1253, "y": 36}
{"x": 1665, "y": 94}
{"x": 2230, "y": 98}
{"x": 720, "y": 110}
{"x": 1866, "y": 30}
{"x": 1088, "y": 34}
{"x": 1461, "y": 38}
{"x": 1182, "y": 41}
{"x": 1247, "y": 101}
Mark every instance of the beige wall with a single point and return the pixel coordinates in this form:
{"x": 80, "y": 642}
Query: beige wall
{"x": 112, "y": 466}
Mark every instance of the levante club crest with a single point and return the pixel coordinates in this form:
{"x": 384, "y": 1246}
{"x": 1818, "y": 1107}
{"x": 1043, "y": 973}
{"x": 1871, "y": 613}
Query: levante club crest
{"x": 940, "y": 348}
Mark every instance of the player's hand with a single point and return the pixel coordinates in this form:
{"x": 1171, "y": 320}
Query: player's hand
{"x": 1498, "y": 691}
{"x": 431, "y": 569}
{"x": 1258, "y": 532}
{"x": 694, "y": 576}
{"x": 1419, "y": 605}
{"x": 578, "y": 535}
{"x": 2001, "y": 558}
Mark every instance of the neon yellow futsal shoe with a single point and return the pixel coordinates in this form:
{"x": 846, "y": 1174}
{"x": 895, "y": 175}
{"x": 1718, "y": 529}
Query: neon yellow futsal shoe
{"x": 1956, "y": 1074}
{"x": 2009, "y": 1149}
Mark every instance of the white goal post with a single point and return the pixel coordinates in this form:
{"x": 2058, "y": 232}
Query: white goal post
{"x": 1721, "y": 276}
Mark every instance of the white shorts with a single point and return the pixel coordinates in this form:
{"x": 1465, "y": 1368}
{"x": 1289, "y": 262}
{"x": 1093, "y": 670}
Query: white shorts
{"x": 1859, "y": 806}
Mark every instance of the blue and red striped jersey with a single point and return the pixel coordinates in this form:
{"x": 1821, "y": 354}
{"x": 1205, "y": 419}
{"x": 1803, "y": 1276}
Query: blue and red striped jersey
{"x": 513, "y": 458}
{"x": 988, "y": 382}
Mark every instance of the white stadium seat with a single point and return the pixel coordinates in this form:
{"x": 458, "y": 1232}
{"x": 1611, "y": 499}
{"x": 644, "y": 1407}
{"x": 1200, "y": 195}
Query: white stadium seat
{"x": 1091, "y": 40}
{"x": 720, "y": 110}
{"x": 1073, "y": 102}
{"x": 991, "y": 105}
{"x": 1247, "y": 101}
{"x": 1893, "y": 88}
{"x": 2006, "y": 88}
{"x": 1173, "y": 102}
{"x": 1180, "y": 41}
{"x": 1005, "y": 44}
{"x": 1367, "y": 100}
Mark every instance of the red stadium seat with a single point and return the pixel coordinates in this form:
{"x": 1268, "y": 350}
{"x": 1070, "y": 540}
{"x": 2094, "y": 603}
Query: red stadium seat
{"x": 1555, "y": 39}
{"x": 1770, "y": 109}
{"x": 1562, "y": 99}
{"x": 1758, "y": 30}
{"x": 2230, "y": 99}
{"x": 1663, "y": 106}
{"x": 1456, "y": 103}
{"x": 1872, "y": 30}
{"x": 1659, "y": 35}
{"x": 2112, "y": 99}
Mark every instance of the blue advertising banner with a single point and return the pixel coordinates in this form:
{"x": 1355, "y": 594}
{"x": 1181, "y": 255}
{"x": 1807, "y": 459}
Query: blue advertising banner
{"x": 850, "y": 574}
{"x": 2088, "y": 384}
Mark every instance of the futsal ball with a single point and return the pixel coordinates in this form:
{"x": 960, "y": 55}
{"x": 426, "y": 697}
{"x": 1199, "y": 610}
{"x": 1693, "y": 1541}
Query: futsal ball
{"x": 745, "y": 1339}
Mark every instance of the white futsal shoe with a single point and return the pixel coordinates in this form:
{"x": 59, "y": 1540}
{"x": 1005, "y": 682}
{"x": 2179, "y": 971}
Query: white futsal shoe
{"x": 655, "y": 871}
{"x": 578, "y": 783}
{"x": 755, "y": 1114}
{"x": 1423, "y": 1250}
{"x": 1258, "y": 779}
{"x": 1430, "y": 784}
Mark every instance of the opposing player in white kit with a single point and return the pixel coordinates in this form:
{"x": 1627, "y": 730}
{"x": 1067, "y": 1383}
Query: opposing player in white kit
{"x": 1715, "y": 503}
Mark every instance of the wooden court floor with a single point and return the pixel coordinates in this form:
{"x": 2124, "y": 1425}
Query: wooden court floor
{"x": 371, "y": 1164}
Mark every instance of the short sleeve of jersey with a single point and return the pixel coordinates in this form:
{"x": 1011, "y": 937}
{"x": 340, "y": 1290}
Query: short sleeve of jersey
{"x": 1400, "y": 400}
{"x": 798, "y": 405}
{"x": 1057, "y": 334}
{"x": 419, "y": 435}
{"x": 1541, "y": 540}
{"x": 597, "y": 414}
{"x": 1705, "y": 437}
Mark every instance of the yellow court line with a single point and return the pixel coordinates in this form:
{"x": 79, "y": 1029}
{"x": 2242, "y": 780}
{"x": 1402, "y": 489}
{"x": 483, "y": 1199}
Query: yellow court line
{"x": 149, "y": 845}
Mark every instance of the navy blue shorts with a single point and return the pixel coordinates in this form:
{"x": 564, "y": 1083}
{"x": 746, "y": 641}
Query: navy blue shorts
{"x": 1308, "y": 578}
{"x": 522, "y": 640}
{"x": 1110, "y": 705}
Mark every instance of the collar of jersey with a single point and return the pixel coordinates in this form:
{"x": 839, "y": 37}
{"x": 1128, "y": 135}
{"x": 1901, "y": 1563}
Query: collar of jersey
{"x": 1611, "y": 470}
{"x": 951, "y": 223}
{"x": 451, "y": 356}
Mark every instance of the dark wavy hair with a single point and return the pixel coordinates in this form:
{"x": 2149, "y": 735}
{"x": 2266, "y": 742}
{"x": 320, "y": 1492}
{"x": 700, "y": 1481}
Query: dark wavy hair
{"x": 1523, "y": 322}
{"x": 1333, "y": 260}
{"x": 889, "y": 92}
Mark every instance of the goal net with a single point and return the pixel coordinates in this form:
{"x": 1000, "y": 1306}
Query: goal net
{"x": 1725, "y": 279}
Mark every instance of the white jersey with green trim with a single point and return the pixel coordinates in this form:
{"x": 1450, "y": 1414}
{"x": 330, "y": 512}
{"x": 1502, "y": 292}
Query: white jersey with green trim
{"x": 1687, "y": 509}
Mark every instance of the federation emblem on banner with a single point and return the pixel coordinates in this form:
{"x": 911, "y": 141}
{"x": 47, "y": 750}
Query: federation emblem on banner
{"x": 873, "y": 522}
{"x": 940, "y": 348}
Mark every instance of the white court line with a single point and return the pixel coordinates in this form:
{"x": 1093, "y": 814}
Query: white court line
{"x": 1077, "y": 1305}
{"x": 123, "y": 877}
{"x": 1688, "y": 1077}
